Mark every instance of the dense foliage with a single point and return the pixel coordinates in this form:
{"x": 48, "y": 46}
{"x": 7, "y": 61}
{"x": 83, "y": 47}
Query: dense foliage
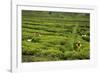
{"x": 50, "y": 36}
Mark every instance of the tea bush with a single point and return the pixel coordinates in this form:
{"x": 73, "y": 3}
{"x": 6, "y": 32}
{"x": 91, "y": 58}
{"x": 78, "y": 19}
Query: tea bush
{"x": 57, "y": 32}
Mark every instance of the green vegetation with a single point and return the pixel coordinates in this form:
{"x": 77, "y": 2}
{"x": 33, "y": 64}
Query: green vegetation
{"x": 55, "y": 36}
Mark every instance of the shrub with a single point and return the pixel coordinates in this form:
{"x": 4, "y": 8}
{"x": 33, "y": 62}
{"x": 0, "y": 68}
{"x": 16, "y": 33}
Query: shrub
{"x": 30, "y": 51}
{"x": 35, "y": 39}
{"x": 25, "y": 37}
{"x": 87, "y": 38}
{"x": 84, "y": 54}
{"x": 63, "y": 42}
{"x": 71, "y": 55}
{"x": 69, "y": 46}
{"x": 67, "y": 55}
{"x": 76, "y": 55}
{"x": 52, "y": 53}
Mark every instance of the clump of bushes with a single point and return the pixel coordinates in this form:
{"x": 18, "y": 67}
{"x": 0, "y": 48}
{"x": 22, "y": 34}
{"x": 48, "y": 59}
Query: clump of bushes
{"x": 84, "y": 54}
{"x": 35, "y": 39}
{"x": 52, "y": 53}
{"x": 30, "y": 51}
{"x": 63, "y": 42}
{"x": 25, "y": 37}
{"x": 76, "y": 55}
{"x": 87, "y": 38}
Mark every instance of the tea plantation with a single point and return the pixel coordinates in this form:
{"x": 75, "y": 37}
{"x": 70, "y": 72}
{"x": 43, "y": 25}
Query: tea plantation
{"x": 51, "y": 36}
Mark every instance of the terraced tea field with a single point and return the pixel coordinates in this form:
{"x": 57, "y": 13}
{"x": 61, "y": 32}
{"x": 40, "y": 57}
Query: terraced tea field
{"x": 55, "y": 36}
